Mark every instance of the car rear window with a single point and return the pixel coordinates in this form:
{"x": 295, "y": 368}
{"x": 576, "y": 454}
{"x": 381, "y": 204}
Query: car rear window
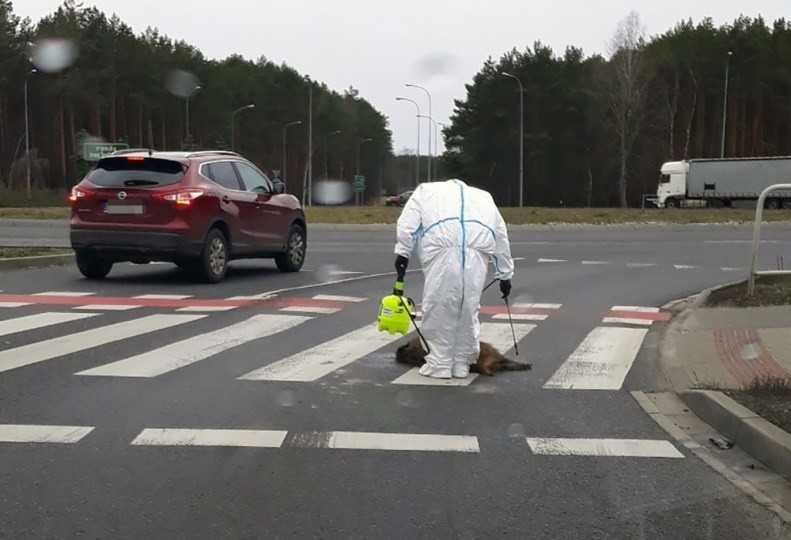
{"x": 134, "y": 171}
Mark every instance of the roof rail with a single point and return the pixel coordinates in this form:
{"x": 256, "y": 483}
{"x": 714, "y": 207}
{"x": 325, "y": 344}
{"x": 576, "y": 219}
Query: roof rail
{"x": 212, "y": 153}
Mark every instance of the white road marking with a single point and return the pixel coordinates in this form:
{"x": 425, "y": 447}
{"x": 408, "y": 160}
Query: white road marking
{"x": 61, "y": 346}
{"x": 206, "y": 309}
{"x": 335, "y": 298}
{"x": 316, "y": 362}
{"x": 640, "y": 265}
{"x": 419, "y": 442}
{"x": 194, "y": 349}
{"x": 163, "y": 296}
{"x": 551, "y": 260}
{"x": 601, "y": 361}
{"x": 639, "y": 309}
{"x": 40, "y": 320}
{"x": 311, "y": 309}
{"x": 535, "y": 305}
{"x": 730, "y": 269}
{"x": 19, "y": 433}
{"x": 594, "y": 262}
{"x": 107, "y": 307}
{"x": 63, "y": 293}
{"x": 13, "y": 304}
{"x": 683, "y": 266}
{"x": 210, "y": 437}
{"x": 627, "y": 320}
{"x": 262, "y": 296}
{"x": 520, "y": 316}
{"x": 496, "y": 334}
{"x": 519, "y": 259}
{"x": 604, "y": 447}
{"x": 344, "y": 272}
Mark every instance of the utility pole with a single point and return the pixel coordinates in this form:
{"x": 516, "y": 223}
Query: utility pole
{"x": 27, "y": 134}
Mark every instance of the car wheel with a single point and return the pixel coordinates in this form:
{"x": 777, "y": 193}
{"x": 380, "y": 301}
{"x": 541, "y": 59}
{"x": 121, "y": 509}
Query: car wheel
{"x": 293, "y": 257}
{"x": 213, "y": 262}
{"x": 93, "y": 267}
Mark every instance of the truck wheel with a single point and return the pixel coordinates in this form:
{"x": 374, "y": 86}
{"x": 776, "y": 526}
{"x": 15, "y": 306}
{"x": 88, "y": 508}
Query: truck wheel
{"x": 787, "y": 204}
{"x": 773, "y": 204}
{"x": 671, "y": 203}
{"x": 293, "y": 257}
{"x": 93, "y": 267}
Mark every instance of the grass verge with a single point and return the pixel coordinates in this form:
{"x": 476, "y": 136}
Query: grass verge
{"x": 769, "y": 291}
{"x": 11, "y": 252}
{"x": 513, "y": 216}
{"x": 769, "y": 398}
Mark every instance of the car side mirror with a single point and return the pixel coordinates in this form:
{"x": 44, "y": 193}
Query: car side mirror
{"x": 279, "y": 186}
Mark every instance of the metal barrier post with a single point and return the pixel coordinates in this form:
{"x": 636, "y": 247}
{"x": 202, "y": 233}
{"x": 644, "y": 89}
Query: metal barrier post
{"x": 759, "y": 211}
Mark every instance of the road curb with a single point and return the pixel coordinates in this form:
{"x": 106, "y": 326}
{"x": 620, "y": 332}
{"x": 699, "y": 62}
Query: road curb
{"x": 38, "y": 261}
{"x": 752, "y": 433}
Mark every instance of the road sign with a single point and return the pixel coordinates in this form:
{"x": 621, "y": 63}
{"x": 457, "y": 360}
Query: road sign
{"x": 359, "y": 181}
{"x": 92, "y": 151}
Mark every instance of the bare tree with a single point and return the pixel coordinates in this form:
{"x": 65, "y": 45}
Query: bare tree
{"x": 627, "y": 89}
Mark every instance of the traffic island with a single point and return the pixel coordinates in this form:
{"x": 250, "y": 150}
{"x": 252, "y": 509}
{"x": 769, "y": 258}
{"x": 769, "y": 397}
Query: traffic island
{"x": 17, "y": 258}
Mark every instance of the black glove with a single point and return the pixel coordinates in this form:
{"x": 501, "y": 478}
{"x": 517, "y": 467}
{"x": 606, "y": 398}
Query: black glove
{"x": 401, "y": 263}
{"x": 505, "y": 287}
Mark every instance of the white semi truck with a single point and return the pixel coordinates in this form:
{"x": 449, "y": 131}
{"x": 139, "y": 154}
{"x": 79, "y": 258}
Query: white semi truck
{"x": 717, "y": 183}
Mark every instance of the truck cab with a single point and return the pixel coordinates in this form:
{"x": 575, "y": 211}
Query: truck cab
{"x": 672, "y": 184}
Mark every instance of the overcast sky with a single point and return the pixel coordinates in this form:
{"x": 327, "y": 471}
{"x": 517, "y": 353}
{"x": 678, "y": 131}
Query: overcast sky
{"x": 379, "y": 46}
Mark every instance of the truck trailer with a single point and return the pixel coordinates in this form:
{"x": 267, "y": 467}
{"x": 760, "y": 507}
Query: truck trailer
{"x": 717, "y": 183}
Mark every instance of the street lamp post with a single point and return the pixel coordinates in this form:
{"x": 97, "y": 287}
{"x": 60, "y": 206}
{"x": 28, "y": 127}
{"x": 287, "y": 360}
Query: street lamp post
{"x": 521, "y": 137}
{"x": 725, "y": 104}
{"x": 327, "y": 153}
{"x": 284, "y": 147}
{"x": 429, "y": 127}
{"x": 233, "y": 131}
{"x": 187, "y": 112}
{"x": 27, "y": 134}
{"x": 435, "y": 143}
{"x": 358, "y": 196}
{"x": 417, "y": 152}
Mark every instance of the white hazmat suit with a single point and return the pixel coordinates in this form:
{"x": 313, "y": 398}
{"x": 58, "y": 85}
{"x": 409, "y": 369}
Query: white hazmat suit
{"x": 455, "y": 230}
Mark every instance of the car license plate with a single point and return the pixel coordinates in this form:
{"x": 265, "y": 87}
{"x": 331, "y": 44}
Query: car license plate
{"x": 126, "y": 208}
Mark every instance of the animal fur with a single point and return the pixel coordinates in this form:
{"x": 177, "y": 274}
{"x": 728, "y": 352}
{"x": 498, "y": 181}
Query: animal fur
{"x": 490, "y": 360}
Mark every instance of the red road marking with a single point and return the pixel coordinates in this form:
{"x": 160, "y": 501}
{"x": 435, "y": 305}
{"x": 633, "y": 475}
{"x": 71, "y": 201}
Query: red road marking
{"x": 168, "y": 302}
{"x": 658, "y": 316}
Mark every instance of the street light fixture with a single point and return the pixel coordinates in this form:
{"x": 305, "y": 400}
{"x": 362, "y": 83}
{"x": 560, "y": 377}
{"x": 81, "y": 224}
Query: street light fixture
{"x": 417, "y": 152}
{"x": 725, "y": 104}
{"x": 27, "y": 133}
{"x": 233, "y": 133}
{"x": 327, "y": 153}
{"x": 284, "y": 147}
{"x": 521, "y": 136}
{"x": 429, "y": 127}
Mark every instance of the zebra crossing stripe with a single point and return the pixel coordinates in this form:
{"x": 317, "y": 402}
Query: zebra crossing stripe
{"x": 72, "y": 343}
{"x": 210, "y": 437}
{"x": 196, "y": 348}
{"x": 645, "y": 448}
{"x": 39, "y": 320}
{"x": 316, "y": 362}
{"x": 20, "y": 433}
{"x": 416, "y": 442}
{"x": 602, "y": 360}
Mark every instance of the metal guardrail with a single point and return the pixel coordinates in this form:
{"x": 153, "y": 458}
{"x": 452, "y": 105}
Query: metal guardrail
{"x": 759, "y": 211}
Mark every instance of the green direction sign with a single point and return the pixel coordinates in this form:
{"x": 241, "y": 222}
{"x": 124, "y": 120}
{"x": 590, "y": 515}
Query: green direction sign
{"x": 359, "y": 183}
{"x": 92, "y": 151}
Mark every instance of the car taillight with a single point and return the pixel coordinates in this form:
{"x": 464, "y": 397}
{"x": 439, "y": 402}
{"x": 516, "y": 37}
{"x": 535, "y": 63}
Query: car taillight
{"x": 184, "y": 197}
{"x": 78, "y": 194}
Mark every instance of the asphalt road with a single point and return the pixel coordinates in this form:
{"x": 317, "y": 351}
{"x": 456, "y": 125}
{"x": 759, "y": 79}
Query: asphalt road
{"x": 127, "y": 415}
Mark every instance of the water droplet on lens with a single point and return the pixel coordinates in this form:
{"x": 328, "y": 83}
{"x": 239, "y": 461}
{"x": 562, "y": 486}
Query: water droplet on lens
{"x": 516, "y": 430}
{"x": 53, "y": 55}
{"x": 751, "y": 351}
{"x": 328, "y": 272}
{"x": 406, "y": 399}
{"x": 332, "y": 192}
{"x": 286, "y": 398}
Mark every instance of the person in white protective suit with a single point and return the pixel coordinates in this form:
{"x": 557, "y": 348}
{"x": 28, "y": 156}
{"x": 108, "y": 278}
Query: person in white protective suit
{"x": 455, "y": 230}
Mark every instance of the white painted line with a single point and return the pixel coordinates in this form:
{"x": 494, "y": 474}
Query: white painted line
{"x": 206, "y": 309}
{"x": 730, "y": 269}
{"x": 335, "y": 298}
{"x": 604, "y": 447}
{"x": 262, "y": 296}
{"x": 63, "y": 293}
{"x": 594, "y": 262}
{"x": 639, "y": 309}
{"x": 19, "y": 433}
{"x": 316, "y": 362}
{"x": 343, "y": 272}
{"x": 40, "y": 320}
{"x": 310, "y": 309}
{"x": 683, "y": 266}
{"x": 601, "y": 361}
{"x": 497, "y": 334}
{"x": 106, "y": 307}
{"x": 210, "y": 437}
{"x": 520, "y": 317}
{"x": 350, "y": 440}
{"x": 81, "y": 341}
{"x": 13, "y": 304}
{"x": 518, "y": 259}
{"x": 163, "y": 296}
{"x": 194, "y": 349}
{"x": 640, "y": 265}
{"x": 536, "y": 305}
{"x": 551, "y": 260}
{"x": 627, "y": 320}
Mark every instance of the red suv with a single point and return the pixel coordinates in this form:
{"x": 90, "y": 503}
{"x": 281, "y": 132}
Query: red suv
{"x": 199, "y": 210}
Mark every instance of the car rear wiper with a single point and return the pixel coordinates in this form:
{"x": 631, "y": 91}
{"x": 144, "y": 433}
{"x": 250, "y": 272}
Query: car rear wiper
{"x": 141, "y": 183}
